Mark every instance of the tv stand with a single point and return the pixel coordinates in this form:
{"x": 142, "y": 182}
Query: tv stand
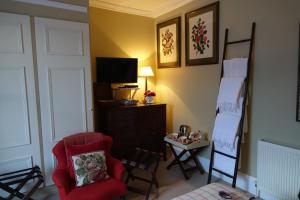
{"x": 131, "y": 86}
{"x": 116, "y": 90}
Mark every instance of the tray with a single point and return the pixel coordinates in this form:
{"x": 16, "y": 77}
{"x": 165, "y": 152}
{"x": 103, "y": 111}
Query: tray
{"x": 193, "y": 145}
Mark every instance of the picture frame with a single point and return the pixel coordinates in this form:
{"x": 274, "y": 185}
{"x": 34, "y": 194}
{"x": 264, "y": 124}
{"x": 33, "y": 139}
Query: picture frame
{"x": 202, "y": 35}
{"x": 298, "y": 86}
{"x": 169, "y": 43}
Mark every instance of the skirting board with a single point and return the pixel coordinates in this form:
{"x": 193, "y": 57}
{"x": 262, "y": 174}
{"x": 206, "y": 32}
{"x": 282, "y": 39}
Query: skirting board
{"x": 244, "y": 181}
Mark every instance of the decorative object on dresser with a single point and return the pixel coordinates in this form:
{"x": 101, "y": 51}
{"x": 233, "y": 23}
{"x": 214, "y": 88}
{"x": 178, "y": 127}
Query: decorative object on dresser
{"x": 202, "y": 35}
{"x": 149, "y": 95}
{"x": 146, "y": 71}
{"x": 169, "y": 43}
{"x": 141, "y": 125}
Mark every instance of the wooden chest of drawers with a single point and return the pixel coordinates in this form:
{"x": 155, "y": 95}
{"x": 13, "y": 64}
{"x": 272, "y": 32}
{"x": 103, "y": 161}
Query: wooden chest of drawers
{"x": 142, "y": 125}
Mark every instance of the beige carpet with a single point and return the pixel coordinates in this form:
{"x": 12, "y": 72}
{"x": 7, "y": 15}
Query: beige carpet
{"x": 171, "y": 182}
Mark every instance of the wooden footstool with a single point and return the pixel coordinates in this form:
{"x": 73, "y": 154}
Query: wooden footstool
{"x": 144, "y": 160}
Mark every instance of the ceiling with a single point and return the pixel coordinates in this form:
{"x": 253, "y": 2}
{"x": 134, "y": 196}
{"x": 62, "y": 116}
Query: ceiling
{"x": 149, "y": 8}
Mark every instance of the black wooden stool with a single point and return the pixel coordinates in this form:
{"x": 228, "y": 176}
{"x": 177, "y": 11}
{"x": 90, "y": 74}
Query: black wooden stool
{"x": 20, "y": 178}
{"x": 147, "y": 161}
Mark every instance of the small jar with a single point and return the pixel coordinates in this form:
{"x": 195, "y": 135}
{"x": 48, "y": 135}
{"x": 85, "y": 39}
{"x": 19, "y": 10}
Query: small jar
{"x": 148, "y": 99}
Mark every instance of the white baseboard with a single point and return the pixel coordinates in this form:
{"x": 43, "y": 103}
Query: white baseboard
{"x": 244, "y": 181}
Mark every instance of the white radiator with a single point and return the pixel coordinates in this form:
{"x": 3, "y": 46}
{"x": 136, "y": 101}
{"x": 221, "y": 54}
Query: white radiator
{"x": 278, "y": 170}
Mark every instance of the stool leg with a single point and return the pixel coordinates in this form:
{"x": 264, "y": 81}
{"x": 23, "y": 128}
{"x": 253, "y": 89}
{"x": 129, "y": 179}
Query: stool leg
{"x": 198, "y": 165}
{"x": 175, "y": 161}
{"x": 177, "y": 158}
{"x": 165, "y": 152}
{"x": 150, "y": 187}
{"x": 155, "y": 181}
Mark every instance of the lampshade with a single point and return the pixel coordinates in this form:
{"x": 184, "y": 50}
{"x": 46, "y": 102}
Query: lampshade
{"x": 146, "y": 71}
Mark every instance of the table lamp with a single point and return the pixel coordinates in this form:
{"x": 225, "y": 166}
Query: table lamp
{"x": 146, "y": 71}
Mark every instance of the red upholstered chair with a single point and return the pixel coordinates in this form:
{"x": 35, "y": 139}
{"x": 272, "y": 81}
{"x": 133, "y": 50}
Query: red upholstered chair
{"x": 101, "y": 190}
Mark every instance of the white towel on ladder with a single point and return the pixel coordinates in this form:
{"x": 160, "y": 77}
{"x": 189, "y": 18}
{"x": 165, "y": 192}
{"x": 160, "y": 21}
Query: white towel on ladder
{"x": 229, "y": 93}
{"x": 236, "y": 67}
{"x": 225, "y": 163}
{"x": 230, "y": 111}
{"x": 225, "y": 130}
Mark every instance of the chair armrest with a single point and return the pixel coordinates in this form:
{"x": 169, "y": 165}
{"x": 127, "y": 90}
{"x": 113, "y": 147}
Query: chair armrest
{"x": 62, "y": 181}
{"x": 116, "y": 168}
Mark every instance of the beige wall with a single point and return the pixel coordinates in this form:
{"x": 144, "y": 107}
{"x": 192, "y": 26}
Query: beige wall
{"x": 42, "y": 11}
{"x": 191, "y": 92}
{"x": 116, "y": 34}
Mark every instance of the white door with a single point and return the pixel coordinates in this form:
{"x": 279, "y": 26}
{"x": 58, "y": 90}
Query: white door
{"x": 64, "y": 73}
{"x": 19, "y": 136}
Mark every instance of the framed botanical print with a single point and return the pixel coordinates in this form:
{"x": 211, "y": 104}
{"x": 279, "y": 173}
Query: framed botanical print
{"x": 202, "y": 35}
{"x": 298, "y": 88}
{"x": 168, "y": 43}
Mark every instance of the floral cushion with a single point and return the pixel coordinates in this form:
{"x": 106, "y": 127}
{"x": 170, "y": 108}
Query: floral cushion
{"x": 89, "y": 167}
{"x": 77, "y": 149}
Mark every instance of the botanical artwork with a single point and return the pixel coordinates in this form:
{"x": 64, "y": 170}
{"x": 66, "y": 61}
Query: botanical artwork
{"x": 168, "y": 43}
{"x": 89, "y": 167}
{"x": 202, "y": 35}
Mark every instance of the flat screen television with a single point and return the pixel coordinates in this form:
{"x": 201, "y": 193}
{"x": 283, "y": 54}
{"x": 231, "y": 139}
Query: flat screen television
{"x": 116, "y": 70}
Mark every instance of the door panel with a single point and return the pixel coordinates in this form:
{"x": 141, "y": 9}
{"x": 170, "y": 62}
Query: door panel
{"x": 19, "y": 143}
{"x": 11, "y": 40}
{"x": 14, "y": 108}
{"x": 64, "y": 42}
{"x": 64, "y": 82}
{"x": 67, "y": 108}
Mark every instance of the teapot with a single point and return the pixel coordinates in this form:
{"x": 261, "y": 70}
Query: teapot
{"x": 184, "y": 130}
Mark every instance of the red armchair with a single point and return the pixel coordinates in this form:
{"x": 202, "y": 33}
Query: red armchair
{"x": 101, "y": 190}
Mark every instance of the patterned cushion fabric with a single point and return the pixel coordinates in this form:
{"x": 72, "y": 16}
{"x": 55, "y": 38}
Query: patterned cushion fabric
{"x": 72, "y": 150}
{"x": 89, "y": 167}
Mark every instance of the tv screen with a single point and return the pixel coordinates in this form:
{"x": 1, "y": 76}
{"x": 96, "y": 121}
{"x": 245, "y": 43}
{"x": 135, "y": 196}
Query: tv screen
{"x": 116, "y": 70}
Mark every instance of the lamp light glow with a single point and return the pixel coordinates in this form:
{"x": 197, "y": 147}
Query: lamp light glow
{"x": 146, "y": 71}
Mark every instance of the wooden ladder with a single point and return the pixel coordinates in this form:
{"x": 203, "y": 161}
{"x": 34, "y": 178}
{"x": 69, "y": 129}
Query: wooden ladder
{"x": 240, "y": 129}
